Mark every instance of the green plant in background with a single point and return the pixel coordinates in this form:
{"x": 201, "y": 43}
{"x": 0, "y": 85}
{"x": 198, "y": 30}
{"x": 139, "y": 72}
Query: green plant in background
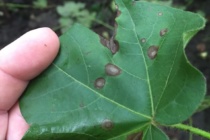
{"x": 37, "y": 4}
{"x": 162, "y": 2}
{"x": 40, "y": 3}
{"x": 72, "y": 12}
{"x": 205, "y": 104}
{"x": 122, "y": 89}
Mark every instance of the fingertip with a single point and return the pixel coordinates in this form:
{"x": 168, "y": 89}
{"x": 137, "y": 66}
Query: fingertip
{"x": 29, "y": 55}
{"x": 47, "y": 34}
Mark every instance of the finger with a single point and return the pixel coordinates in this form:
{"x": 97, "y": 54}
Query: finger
{"x": 17, "y": 126}
{"x": 24, "y": 59}
{"x": 3, "y": 123}
{"x": 10, "y": 90}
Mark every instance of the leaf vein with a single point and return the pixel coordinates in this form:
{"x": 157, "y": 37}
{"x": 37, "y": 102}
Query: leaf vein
{"x": 146, "y": 68}
{"x": 86, "y": 67}
{"x": 112, "y": 101}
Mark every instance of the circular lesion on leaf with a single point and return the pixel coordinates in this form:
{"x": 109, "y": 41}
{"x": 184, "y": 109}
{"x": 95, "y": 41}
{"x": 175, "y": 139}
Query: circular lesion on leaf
{"x": 160, "y": 13}
{"x": 152, "y": 51}
{"x": 163, "y": 32}
{"x": 99, "y": 83}
{"x": 112, "y": 70}
{"x": 143, "y": 40}
{"x": 107, "y": 124}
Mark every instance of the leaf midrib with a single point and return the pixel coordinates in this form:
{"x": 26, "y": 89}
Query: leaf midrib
{"x": 100, "y": 95}
{"x": 169, "y": 74}
{"x": 144, "y": 58}
{"x": 168, "y": 77}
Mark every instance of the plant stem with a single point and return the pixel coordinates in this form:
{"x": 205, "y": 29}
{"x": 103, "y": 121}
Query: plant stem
{"x": 192, "y": 129}
{"x": 191, "y": 124}
{"x": 14, "y": 5}
{"x": 104, "y": 24}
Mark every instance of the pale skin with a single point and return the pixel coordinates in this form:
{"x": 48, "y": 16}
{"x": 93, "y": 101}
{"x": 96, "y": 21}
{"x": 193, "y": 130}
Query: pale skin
{"x": 21, "y": 61}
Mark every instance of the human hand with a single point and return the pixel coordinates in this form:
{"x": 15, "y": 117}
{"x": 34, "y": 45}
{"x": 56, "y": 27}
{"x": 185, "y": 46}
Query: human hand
{"x": 20, "y": 62}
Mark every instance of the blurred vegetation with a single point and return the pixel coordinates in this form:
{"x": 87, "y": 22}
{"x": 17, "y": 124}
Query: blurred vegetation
{"x": 88, "y": 13}
{"x": 72, "y": 12}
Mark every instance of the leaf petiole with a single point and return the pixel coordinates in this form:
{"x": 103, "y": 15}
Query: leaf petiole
{"x": 192, "y": 129}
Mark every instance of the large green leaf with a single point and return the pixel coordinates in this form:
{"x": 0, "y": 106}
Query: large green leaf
{"x": 92, "y": 93}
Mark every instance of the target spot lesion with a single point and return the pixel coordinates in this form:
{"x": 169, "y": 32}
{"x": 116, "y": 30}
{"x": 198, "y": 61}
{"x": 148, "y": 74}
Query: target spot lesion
{"x": 152, "y": 52}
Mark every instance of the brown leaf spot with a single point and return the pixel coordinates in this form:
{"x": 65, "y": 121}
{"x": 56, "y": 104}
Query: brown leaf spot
{"x": 107, "y": 124}
{"x": 99, "y": 83}
{"x": 104, "y": 41}
{"x": 133, "y": 2}
{"x": 118, "y": 13}
{"x": 152, "y": 52}
{"x": 112, "y": 70}
{"x": 111, "y": 44}
{"x": 135, "y": 136}
{"x": 163, "y": 32}
{"x": 114, "y": 46}
{"x": 143, "y": 40}
{"x": 160, "y": 14}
